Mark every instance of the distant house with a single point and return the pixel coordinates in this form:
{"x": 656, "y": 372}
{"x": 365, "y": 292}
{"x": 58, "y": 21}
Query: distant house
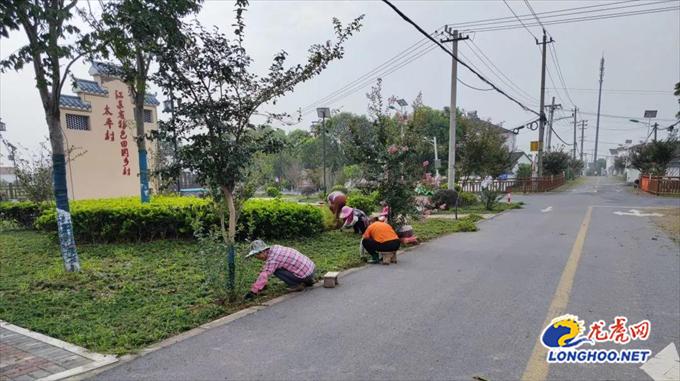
{"x": 510, "y": 137}
{"x": 7, "y": 175}
{"x": 673, "y": 168}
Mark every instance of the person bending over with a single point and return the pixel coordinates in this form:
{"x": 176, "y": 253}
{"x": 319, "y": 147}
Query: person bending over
{"x": 286, "y": 263}
{"x": 380, "y": 237}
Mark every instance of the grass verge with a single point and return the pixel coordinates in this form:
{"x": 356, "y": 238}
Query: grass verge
{"x": 669, "y": 222}
{"x": 128, "y": 296}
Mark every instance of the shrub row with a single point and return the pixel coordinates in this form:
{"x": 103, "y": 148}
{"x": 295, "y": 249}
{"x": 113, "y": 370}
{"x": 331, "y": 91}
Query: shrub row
{"x": 279, "y": 219}
{"x": 366, "y": 203}
{"x": 24, "y": 213}
{"x": 126, "y": 219}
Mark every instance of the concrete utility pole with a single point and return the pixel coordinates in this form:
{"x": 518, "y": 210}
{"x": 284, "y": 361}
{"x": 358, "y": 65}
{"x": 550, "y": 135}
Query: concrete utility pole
{"x": 583, "y": 127}
{"x": 552, "y": 106}
{"x": 597, "y": 124}
{"x": 541, "y": 123}
{"x": 575, "y": 111}
{"x": 454, "y": 37}
{"x": 656, "y": 128}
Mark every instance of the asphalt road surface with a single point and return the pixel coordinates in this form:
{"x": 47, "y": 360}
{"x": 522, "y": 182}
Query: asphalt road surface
{"x": 462, "y": 306}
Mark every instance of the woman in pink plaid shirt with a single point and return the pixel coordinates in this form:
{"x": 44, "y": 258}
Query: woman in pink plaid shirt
{"x": 287, "y": 264}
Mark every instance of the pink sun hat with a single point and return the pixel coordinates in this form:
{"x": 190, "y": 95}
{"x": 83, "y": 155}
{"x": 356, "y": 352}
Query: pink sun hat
{"x": 346, "y": 212}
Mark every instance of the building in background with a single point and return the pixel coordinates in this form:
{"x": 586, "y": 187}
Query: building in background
{"x": 99, "y": 131}
{"x": 7, "y": 175}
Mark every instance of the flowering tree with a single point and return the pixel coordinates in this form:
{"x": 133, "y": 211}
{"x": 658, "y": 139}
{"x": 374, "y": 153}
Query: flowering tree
{"x": 211, "y": 74}
{"x": 389, "y": 163}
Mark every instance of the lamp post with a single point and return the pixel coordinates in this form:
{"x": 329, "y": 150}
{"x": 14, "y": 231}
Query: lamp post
{"x": 323, "y": 112}
{"x": 3, "y": 128}
{"x": 169, "y": 106}
{"x": 436, "y": 157}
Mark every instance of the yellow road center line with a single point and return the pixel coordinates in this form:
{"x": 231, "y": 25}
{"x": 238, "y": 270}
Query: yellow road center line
{"x": 537, "y": 367}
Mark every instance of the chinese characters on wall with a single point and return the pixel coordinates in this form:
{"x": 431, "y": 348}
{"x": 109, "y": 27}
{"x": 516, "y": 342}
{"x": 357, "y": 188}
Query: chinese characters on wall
{"x": 124, "y": 152}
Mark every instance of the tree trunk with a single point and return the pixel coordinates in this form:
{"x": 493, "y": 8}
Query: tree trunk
{"x": 67, "y": 243}
{"x": 139, "y": 124}
{"x": 231, "y": 266}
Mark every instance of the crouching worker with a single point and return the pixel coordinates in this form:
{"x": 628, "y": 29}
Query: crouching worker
{"x": 287, "y": 264}
{"x": 354, "y": 218}
{"x": 380, "y": 237}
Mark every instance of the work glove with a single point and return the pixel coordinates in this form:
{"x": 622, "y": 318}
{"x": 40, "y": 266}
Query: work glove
{"x": 250, "y": 296}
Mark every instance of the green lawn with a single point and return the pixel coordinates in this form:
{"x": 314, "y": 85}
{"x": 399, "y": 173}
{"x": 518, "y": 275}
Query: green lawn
{"x": 128, "y": 296}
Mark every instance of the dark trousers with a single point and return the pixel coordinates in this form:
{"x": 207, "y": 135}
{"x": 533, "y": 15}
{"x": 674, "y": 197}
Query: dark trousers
{"x": 360, "y": 227}
{"x": 374, "y": 247}
{"x": 291, "y": 279}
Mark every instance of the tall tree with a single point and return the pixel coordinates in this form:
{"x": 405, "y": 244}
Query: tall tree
{"x": 653, "y": 157}
{"x": 134, "y": 32}
{"x": 211, "y": 73}
{"x": 48, "y": 27}
{"x": 482, "y": 149}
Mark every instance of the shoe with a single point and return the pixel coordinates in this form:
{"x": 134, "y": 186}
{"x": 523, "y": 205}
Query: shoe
{"x": 372, "y": 261}
{"x": 297, "y": 288}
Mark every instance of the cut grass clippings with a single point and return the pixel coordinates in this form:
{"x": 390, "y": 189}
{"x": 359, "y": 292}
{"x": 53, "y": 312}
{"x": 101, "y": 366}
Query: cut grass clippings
{"x": 131, "y": 295}
{"x": 480, "y": 209}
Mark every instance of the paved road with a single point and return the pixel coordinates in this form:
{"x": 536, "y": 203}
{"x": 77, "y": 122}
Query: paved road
{"x": 461, "y": 306}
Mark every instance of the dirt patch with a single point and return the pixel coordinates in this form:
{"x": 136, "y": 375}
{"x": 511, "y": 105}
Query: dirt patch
{"x": 669, "y": 222}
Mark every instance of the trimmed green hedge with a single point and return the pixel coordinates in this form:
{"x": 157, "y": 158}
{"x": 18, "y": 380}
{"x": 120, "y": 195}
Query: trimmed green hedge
{"x": 366, "y": 203}
{"x": 279, "y": 219}
{"x": 126, "y": 219}
{"x": 24, "y": 213}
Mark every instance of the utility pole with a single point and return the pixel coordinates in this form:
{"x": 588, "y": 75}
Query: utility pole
{"x": 583, "y": 126}
{"x": 553, "y": 106}
{"x": 454, "y": 37}
{"x": 323, "y": 113}
{"x": 597, "y": 125}
{"x": 656, "y": 128}
{"x": 575, "y": 111}
{"x": 541, "y": 123}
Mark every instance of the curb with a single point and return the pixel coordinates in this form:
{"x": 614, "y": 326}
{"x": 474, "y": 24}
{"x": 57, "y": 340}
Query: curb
{"x": 98, "y": 360}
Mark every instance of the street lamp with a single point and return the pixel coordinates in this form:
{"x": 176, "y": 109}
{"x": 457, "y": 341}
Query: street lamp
{"x": 323, "y": 113}
{"x": 169, "y": 106}
{"x": 436, "y": 157}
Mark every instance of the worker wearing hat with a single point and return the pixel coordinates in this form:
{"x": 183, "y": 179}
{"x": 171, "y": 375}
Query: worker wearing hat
{"x": 354, "y": 218}
{"x": 286, "y": 263}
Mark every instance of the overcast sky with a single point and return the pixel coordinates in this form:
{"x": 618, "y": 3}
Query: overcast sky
{"x": 642, "y": 63}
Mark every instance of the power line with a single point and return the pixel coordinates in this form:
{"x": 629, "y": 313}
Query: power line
{"x": 625, "y": 117}
{"x": 509, "y": 82}
{"x": 415, "y": 25}
{"x": 556, "y": 62}
{"x": 358, "y": 86}
{"x": 627, "y": 91}
{"x": 534, "y": 13}
{"x": 494, "y": 22}
{"x": 519, "y": 19}
{"x": 558, "y": 136}
{"x": 577, "y": 19}
{"x": 528, "y": 16}
{"x": 382, "y": 67}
